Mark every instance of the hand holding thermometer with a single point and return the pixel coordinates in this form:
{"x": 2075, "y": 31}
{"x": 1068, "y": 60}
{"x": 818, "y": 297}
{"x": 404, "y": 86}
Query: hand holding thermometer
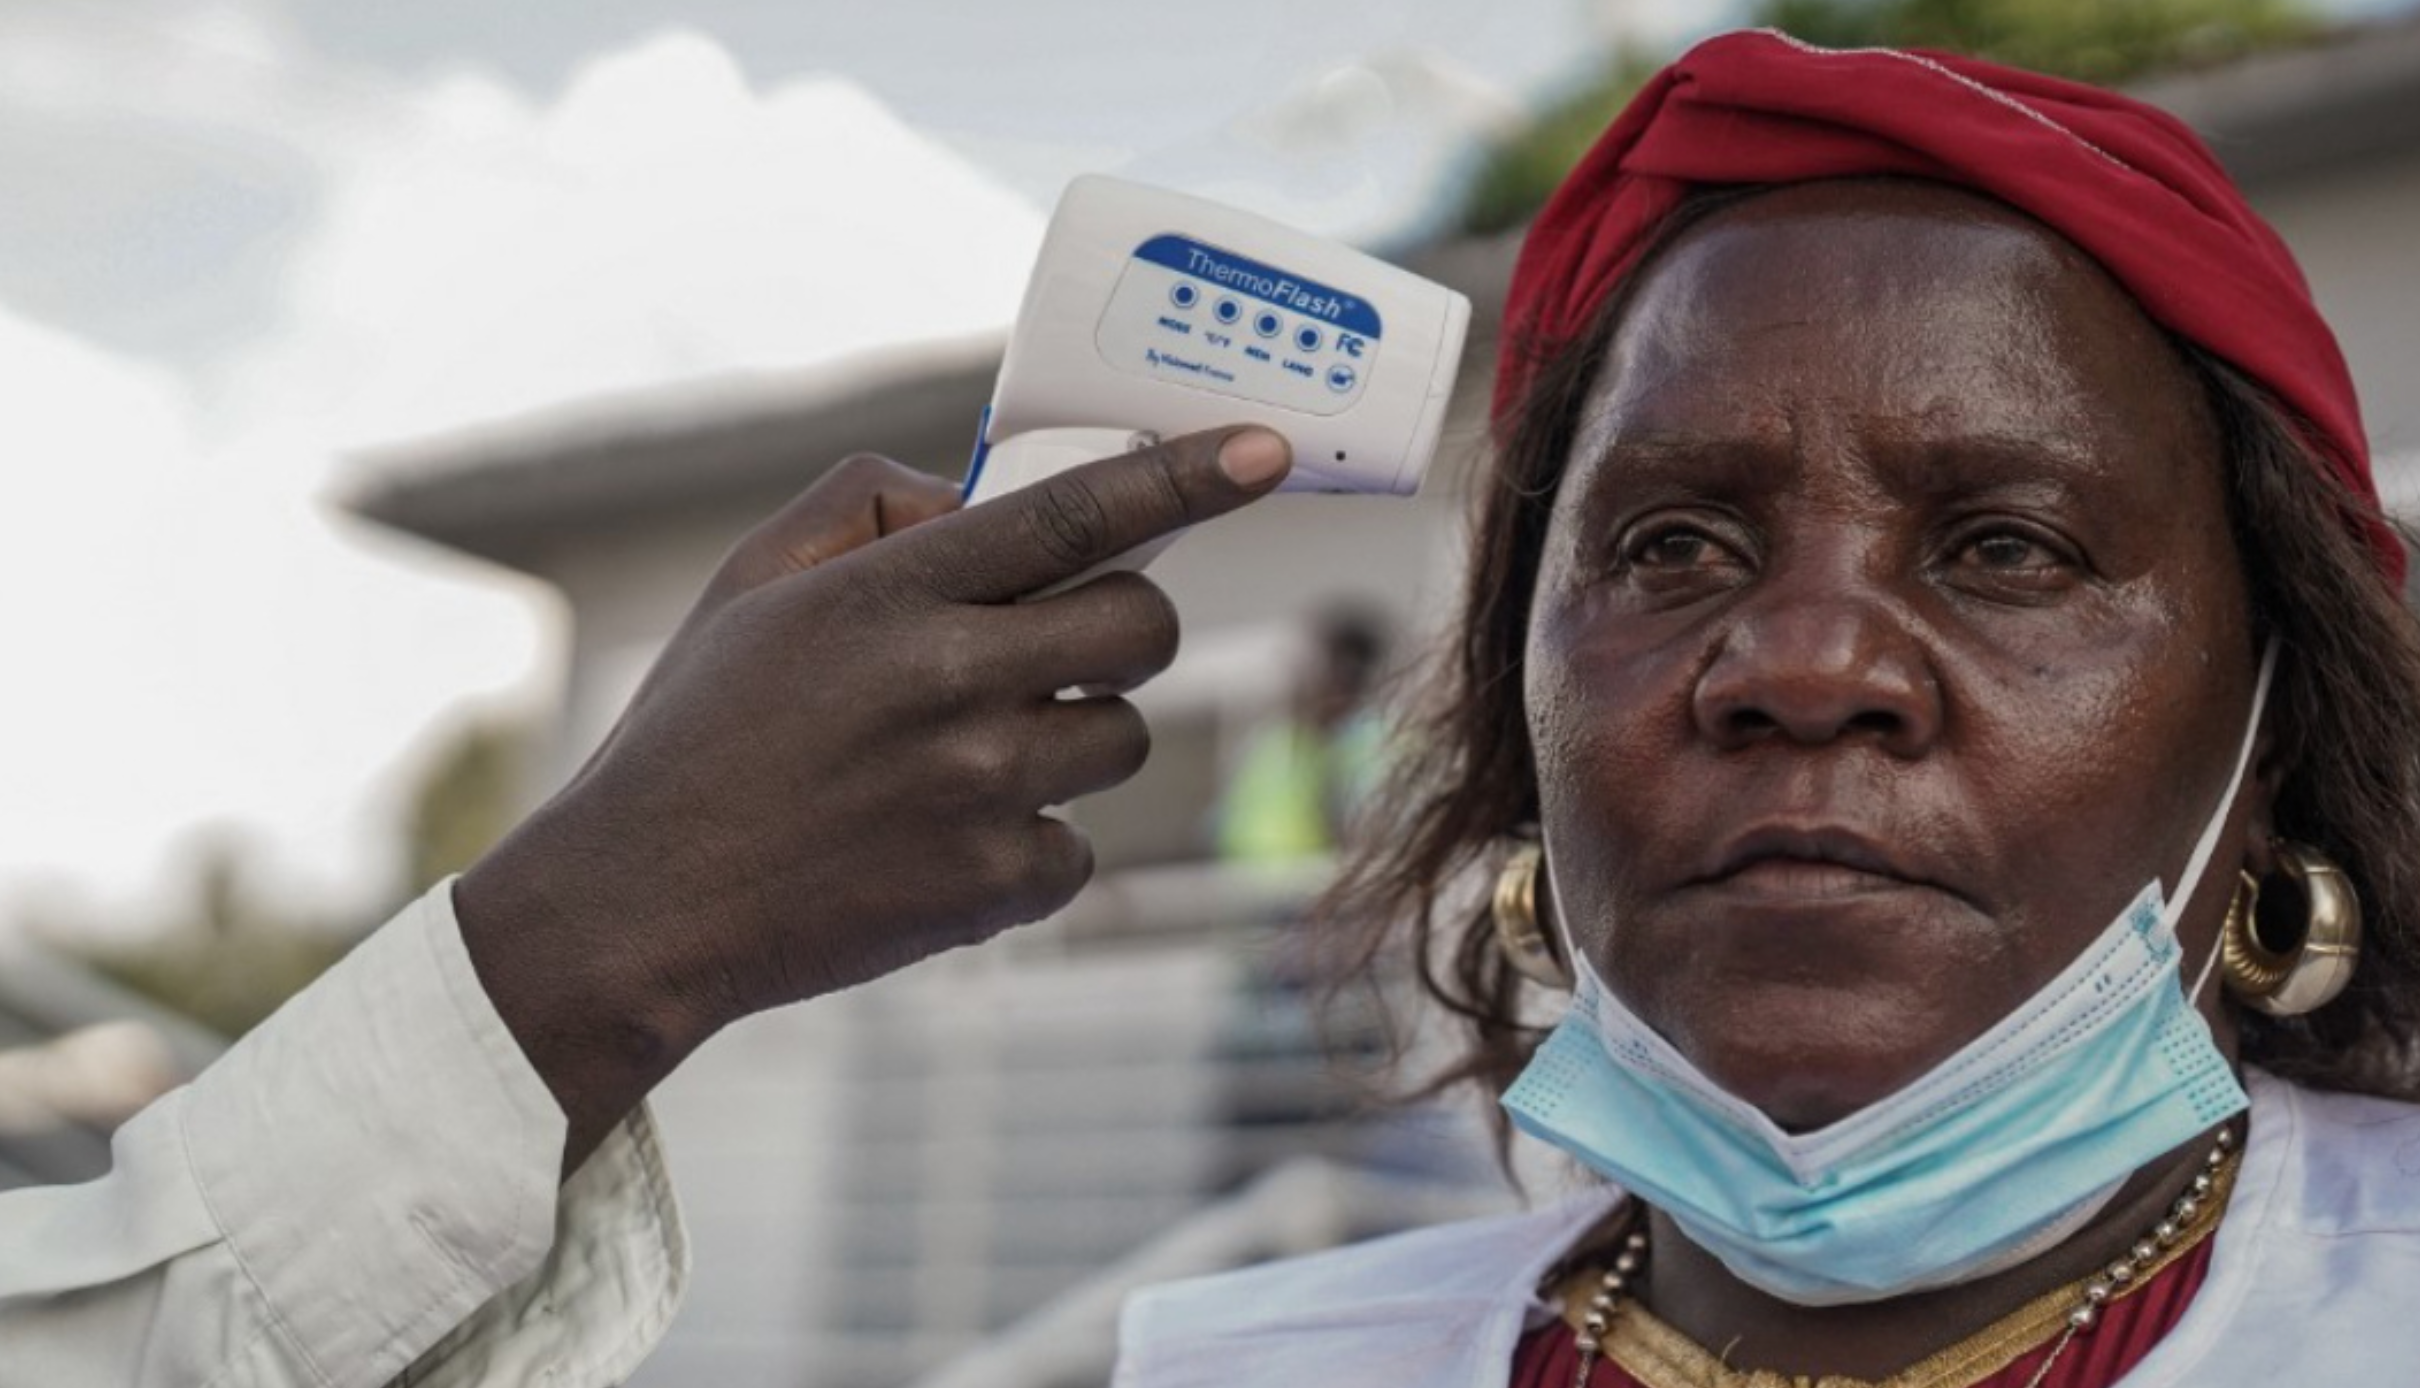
{"x": 1152, "y": 314}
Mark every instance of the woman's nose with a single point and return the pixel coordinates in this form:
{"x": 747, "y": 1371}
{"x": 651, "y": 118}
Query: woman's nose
{"x": 1816, "y": 669}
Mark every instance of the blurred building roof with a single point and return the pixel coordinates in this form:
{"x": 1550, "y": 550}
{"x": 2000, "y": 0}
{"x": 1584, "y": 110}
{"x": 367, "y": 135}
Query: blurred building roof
{"x": 503, "y": 491}
{"x": 2352, "y": 97}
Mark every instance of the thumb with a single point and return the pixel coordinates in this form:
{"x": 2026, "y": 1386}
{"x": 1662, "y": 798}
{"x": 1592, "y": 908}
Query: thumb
{"x": 861, "y": 500}
{"x": 1061, "y": 526}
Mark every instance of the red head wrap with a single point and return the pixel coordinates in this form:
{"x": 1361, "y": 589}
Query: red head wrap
{"x": 2130, "y": 185}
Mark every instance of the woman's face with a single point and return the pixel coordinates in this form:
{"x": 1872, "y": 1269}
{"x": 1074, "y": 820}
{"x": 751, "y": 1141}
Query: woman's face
{"x": 1889, "y": 638}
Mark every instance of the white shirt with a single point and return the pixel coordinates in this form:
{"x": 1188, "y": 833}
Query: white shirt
{"x": 2314, "y": 1278}
{"x": 363, "y": 1190}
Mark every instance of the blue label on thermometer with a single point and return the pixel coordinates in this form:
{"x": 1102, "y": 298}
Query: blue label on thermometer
{"x": 1218, "y": 270}
{"x": 1189, "y": 312}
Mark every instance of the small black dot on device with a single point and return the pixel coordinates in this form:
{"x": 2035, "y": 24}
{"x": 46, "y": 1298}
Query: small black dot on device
{"x": 1340, "y": 455}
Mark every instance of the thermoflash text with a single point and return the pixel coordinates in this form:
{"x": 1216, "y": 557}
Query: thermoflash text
{"x": 1154, "y": 313}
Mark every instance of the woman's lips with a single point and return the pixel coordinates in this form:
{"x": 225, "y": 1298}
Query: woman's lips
{"x": 1802, "y": 879}
{"x": 1796, "y": 862}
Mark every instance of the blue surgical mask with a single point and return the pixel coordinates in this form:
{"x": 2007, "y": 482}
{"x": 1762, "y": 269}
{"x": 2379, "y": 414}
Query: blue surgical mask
{"x": 1994, "y": 1156}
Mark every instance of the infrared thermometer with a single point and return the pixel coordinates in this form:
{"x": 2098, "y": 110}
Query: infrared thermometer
{"x": 1152, "y": 314}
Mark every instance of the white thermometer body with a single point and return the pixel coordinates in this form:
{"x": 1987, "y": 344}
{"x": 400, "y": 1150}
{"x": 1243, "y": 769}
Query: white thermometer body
{"x": 1154, "y": 313}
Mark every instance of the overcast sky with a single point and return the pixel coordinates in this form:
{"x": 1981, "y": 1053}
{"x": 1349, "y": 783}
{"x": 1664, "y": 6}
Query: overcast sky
{"x": 244, "y": 238}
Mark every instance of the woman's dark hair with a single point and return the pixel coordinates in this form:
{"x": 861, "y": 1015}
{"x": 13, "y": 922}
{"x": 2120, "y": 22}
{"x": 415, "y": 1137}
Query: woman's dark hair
{"x": 2345, "y": 713}
{"x": 2346, "y": 721}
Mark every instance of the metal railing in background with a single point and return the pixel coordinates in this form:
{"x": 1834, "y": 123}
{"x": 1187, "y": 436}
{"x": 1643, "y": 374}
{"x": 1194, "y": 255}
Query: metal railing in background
{"x": 1298, "y": 1207}
{"x": 78, "y": 1055}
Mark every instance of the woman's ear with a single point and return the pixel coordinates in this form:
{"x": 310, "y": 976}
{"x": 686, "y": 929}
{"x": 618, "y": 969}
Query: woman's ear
{"x": 2271, "y": 768}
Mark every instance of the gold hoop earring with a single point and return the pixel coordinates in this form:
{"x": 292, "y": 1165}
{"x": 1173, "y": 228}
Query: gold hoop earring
{"x": 2308, "y": 974}
{"x": 1518, "y": 933}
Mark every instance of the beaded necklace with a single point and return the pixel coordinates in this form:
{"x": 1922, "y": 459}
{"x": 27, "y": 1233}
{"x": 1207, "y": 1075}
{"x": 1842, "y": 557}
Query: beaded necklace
{"x": 2190, "y": 1218}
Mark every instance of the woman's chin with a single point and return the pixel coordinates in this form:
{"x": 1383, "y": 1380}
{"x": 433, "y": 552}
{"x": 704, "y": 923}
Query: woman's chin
{"x": 1808, "y": 1076}
{"x": 1804, "y": 1103}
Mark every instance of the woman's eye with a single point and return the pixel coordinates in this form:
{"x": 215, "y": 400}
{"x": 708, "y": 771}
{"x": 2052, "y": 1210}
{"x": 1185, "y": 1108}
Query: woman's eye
{"x": 2015, "y": 558}
{"x": 2006, "y": 551}
{"x": 1661, "y": 555}
{"x": 1672, "y": 549}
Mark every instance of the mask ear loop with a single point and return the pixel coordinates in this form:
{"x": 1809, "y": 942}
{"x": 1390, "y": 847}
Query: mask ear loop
{"x": 2203, "y": 851}
{"x": 1584, "y": 977}
{"x": 2209, "y": 967}
{"x": 1553, "y": 901}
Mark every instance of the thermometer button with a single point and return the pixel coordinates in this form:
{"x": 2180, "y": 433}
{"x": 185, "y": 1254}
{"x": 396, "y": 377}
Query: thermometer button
{"x": 1307, "y": 339}
{"x": 1268, "y": 324}
{"x": 1228, "y": 310}
{"x": 1184, "y": 295}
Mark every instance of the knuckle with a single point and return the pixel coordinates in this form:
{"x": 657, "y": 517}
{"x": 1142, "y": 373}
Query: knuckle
{"x": 753, "y": 558}
{"x": 1068, "y": 520}
{"x": 755, "y": 538}
{"x": 864, "y": 467}
{"x": 1164, "y": 466}
{"x": 951, "y": 667}
{"x": 1026, "y": 872}
{"x": 1074, "y": 859}
{"x": 1154, "y": 622}
{"x": 1006, "y": 868}
{"x": 1139, "y": 618}
{"x": 1063, "y": 863}
{"x": 846, "y": 615}
{"x": 1135, "y": 601}
{"x": 865, "y": 597}
{"x": 985, "y": 768}
{"x": 931, "y": 574}
{"x": 1130, "y": 738}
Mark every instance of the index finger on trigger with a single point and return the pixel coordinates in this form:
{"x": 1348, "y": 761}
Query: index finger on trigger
{"x": 1062, "y": 526}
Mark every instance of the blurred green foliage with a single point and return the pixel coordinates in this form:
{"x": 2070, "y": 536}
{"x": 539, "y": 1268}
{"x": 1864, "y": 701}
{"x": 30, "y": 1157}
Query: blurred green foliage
{"x": 466, "y": 801}
{"x": 231, "y": 959}
{"x": 235, "y": 953}
{"x": 1513, "y": 182}
{"x": 2105, "y": 41}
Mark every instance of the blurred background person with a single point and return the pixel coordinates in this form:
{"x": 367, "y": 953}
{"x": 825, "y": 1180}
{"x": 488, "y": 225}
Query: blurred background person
{"x": 1300, "y": 775}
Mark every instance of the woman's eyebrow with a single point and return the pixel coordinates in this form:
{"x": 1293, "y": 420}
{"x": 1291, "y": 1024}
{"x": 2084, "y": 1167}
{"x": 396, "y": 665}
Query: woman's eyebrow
{"x": 1634, "y": 467}
{"x": 1716, "y": 460}
{"x": 1933, "y": 467}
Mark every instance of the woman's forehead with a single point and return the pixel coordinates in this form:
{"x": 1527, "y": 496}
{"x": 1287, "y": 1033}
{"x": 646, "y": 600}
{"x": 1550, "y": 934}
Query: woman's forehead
{"x": 1894, "y": 312}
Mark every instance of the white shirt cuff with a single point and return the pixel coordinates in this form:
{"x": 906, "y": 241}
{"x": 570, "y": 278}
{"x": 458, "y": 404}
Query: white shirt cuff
{"x": 383, "y": 1162}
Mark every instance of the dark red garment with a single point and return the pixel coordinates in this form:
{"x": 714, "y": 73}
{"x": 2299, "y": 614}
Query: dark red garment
{"x": 2129, "y": 184}
{"x": 2128, "y": 1330}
